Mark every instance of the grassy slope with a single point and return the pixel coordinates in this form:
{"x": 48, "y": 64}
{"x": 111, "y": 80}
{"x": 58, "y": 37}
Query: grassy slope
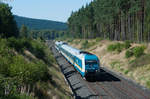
{"x": 18, "y": 55}
{"x": 137, "y": 69}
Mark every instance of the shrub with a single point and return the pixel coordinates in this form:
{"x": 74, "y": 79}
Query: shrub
{"x": 119, "y": 47}
{"x": 138, "y": 51}
{"x": 98, "y": 39}
{"x": 126, "y": 71}
{"x": 148, "y": 84}
{"x": 115, "y": 47}
{"x": 111, "y": 47}
{"x": 26, "y": 71}
{"x": 19, "y": 44}
{"x": 128, "y": 53}
{"x": 85, "y": 44}
{"x": 127, "y": 44}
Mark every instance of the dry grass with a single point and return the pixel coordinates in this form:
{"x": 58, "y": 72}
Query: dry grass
{"x": 117, "y": 61}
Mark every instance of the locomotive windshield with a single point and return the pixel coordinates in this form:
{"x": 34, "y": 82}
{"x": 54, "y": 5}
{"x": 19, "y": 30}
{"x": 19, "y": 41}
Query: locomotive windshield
{"x": 90, "y": 62}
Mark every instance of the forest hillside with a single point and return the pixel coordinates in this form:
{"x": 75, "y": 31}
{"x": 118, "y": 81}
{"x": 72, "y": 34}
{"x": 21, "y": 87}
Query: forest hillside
{"x": 39, "y": 24}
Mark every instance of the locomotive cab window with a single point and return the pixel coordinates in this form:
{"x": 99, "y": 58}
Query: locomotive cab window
{"x": 91, "y": 62}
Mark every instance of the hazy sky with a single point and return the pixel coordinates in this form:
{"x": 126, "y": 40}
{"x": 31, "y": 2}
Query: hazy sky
{"x": 57, "y": 10}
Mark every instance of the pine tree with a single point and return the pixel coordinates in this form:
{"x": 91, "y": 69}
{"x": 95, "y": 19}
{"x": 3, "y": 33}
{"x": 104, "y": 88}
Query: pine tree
{"x": 23, "y": 31}
{"x": 8, "y": 26}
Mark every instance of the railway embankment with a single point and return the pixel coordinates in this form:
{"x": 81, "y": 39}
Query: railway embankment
{"x": 126, "y": 58}
{"x": 107, "y": 85}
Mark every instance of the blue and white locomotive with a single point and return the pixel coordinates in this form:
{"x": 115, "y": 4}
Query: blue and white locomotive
{"x": 85, "y": 63}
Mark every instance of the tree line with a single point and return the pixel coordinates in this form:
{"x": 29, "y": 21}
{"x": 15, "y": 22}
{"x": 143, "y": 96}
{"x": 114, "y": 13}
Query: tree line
{"x": 114, "y": 20}
{"x": 42, "y": 34}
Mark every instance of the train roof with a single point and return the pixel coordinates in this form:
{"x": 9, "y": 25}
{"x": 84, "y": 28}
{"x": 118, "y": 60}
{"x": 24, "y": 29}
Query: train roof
{"x": 76, "y": 52}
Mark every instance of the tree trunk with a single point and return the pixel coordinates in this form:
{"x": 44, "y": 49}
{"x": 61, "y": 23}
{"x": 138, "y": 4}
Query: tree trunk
{"x": 123, "y": 28}
{"x": 129, "y": 27}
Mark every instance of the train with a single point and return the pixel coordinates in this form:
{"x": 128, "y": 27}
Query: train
{"x": 87, "y": 64}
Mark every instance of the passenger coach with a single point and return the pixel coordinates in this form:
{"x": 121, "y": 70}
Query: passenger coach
{"x": 85, "y": 63}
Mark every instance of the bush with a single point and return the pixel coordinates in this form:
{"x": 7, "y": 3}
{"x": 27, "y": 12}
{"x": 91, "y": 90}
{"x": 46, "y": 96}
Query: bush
{"x": 127, "y": 44}
{"x": 148, "y": 84}
{"x": 126, "y": 72}
{"x": 98, "y": 39}
{"x": 128, "y": 54}
{"x": 111, "y": 47}
{"x": 85, "y": 44}
{"x": 36, "y": 47}
{"x": 119, "y": 47}
{"x": 19, "y": 44}
{"x": 138, "y": 51}
{"x": 115, "y": 47}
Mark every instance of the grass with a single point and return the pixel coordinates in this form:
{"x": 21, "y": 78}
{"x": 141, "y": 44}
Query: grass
{"x": 115, "y": 64}
{"x": 98, "y": 39}
{"x": 140, "y": 61}
{"x": 86, "y": 44}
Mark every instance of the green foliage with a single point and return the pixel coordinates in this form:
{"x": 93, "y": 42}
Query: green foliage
{"x": 17, "y": 96}
{"x": 16, "y": 70}
{"x": 27, "y": 71}
{"x": 23, "y": 31}
{"x": 127, "y": 44}
{"x": 8, "y": 26}
{"x": 129, "y": 54}
{"x": 98, "y": 39}
{"x": 102, "y": 18}
{"x": 111, "y": 47}
{"x": 85, "y": 44}
{"x": 126, "y": 72}
{"x": 36, "y": 47}
{"x": 115, "y": 47}
{"x": 138, "y": 51}
{"x": 19, "y": 44}
{"x": 48, "y": 34}
{"x": 148, "y": 84}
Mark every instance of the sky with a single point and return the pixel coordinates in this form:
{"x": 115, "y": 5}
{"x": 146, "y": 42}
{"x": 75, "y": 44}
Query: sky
{"x": 56, "y": 10}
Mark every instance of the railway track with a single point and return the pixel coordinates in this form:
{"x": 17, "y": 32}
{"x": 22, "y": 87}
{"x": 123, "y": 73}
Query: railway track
{"x": 108, "y": 85}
